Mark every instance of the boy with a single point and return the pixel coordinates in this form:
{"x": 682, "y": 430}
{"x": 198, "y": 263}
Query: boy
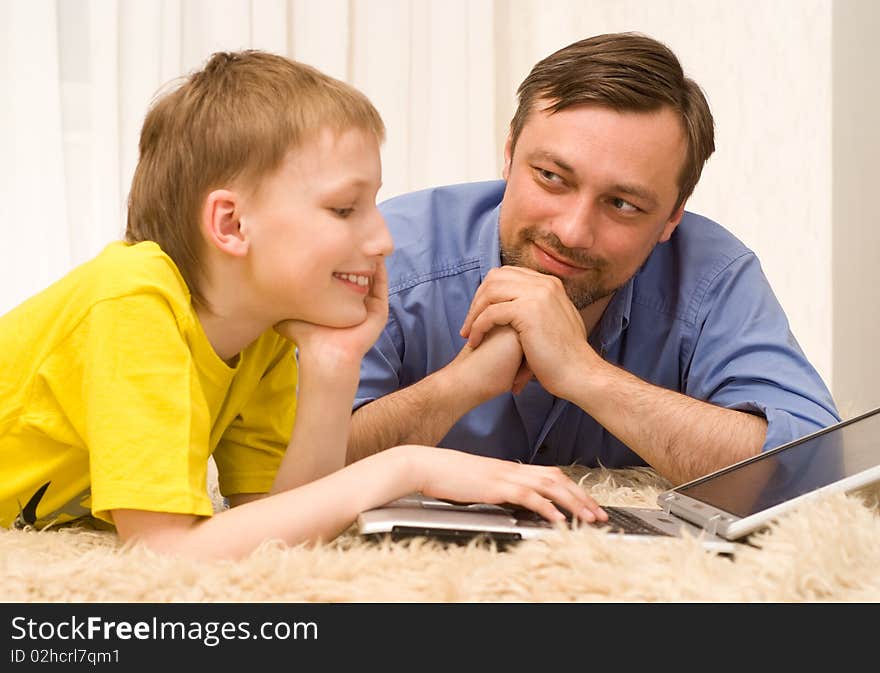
{"x": 252, "y": 227}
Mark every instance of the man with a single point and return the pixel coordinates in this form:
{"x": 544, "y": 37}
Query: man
{"x": 604, "y": 324}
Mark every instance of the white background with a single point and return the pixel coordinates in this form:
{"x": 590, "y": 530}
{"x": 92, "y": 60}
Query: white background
{"x": 791, "y": 83}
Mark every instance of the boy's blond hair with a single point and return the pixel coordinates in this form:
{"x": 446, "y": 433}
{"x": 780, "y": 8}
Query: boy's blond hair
{"x": 234, "y": 120}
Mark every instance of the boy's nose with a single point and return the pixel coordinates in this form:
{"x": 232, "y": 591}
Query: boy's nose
{"x": 379, "y": 241}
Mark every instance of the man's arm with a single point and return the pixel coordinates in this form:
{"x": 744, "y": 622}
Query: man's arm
{"x": 419, "y": 414}
{"x": 680, "y": 436}
{"x": 424, "y": 412}
{"x": 660, "y": 425}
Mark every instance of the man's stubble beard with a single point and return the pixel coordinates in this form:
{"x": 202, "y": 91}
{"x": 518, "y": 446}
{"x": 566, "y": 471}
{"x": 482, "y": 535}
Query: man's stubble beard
{"x": 582, "y": 293}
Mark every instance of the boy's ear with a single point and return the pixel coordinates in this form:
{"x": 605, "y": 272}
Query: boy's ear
{"x": 221, "y": 224}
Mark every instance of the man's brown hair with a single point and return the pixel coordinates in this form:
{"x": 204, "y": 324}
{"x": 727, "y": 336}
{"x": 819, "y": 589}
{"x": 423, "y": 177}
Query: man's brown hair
{"x": 627, "y": 72}
{"x": 233, "y": 120}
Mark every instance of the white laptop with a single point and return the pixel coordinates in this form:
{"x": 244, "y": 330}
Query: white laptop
{"x": 720, "y": 509}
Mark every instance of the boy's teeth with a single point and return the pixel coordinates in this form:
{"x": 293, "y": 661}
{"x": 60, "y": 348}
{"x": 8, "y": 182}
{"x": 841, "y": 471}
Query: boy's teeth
{"x": 352, "y": 278}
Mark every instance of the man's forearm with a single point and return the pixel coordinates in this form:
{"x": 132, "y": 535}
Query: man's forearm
{"x": 424, "y": 412}
{"x": 418, "y": 414}
{"x": 680, "y": 437}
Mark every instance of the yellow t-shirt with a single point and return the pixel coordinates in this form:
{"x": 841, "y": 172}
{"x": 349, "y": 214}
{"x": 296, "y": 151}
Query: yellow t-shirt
{"x": 111, "y": 397}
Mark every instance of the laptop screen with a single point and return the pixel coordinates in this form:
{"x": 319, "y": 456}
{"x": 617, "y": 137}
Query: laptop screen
{"x": 792, "y": 470}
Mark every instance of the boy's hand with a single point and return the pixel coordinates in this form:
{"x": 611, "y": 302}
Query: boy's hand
{"x": 333, "y": 347}
{"x": 455, "y": 475}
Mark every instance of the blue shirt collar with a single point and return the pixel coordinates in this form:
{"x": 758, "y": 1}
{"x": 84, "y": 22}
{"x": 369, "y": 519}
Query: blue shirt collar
{"x": 615, "y": 319}
{"x": 490, "y": 242}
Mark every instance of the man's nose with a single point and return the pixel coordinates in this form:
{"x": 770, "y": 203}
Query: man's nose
{"x": 576, "y": 226}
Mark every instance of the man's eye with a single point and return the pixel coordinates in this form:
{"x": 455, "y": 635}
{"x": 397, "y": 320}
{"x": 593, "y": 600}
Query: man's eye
{"x": 549, "y": 176}
{"x": 624, "y": 206}
{"x": 342, "y": 212}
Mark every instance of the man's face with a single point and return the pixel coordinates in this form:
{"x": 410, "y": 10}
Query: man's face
{"x": 315, "y": 233}
{"x": 590, "y": 192}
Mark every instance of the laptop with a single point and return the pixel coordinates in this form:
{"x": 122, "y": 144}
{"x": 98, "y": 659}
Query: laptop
{"x": 720, "y": 509}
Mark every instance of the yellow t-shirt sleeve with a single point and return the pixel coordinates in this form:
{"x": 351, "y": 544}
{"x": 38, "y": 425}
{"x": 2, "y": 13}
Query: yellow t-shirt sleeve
{"x": 251, "y": 449}
{"x": 146, "y": 428}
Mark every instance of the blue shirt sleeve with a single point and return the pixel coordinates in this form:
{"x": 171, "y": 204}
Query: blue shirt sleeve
{"x": 744, "y": 356}
{"x": 380, "y": 368}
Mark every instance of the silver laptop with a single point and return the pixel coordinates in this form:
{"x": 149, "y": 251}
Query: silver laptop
{"x": 720, "y": 509}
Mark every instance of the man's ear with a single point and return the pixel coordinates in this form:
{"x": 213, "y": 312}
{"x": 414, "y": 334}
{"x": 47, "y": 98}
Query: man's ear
{"x": 672, "y": 223}
{"x": 508, "y": 156}
{"x": 221, "y": 224}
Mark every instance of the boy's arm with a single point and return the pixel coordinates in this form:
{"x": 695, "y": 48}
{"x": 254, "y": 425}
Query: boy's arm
{"x": 327, "y": 374}
{"x": 310, "y": 507}
{"x": 329, "y": 368}
{"x": 320, "y": 431}
{"x": 322, "y": 509}
{"x": 290, "y": 516}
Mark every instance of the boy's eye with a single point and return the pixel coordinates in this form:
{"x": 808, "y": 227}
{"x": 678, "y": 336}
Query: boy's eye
{"x": 342, "y": 212}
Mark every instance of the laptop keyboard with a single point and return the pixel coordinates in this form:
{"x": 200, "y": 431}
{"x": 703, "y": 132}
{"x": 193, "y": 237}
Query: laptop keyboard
{"x": 619, "y": 521}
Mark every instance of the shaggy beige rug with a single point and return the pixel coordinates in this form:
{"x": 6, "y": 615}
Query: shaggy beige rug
{"x": 828, "y": 550}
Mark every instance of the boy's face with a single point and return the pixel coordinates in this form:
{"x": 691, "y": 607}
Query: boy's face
{"x": 315, "y": 234}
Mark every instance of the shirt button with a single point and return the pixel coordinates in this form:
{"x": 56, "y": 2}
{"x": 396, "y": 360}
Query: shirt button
{"x": 543, "y": 448}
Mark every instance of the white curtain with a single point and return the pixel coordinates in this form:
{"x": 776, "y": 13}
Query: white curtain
{"x": 78, "y": 76}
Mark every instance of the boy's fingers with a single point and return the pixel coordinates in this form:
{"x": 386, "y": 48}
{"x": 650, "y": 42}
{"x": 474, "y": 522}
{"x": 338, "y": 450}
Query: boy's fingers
{"x": 377, "y": 299}
{"x": 537, "y": 503}
{"x": 379, "y": 283}
{"x": 582, "y": 504}
{"x": 570, "y": 500}
{"x": 554, "y": 485}
{"x": 379, "y": 288}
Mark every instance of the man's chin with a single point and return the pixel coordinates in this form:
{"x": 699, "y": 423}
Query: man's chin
{"x": 579, "y": 295}
{"x": 583, "y": 297}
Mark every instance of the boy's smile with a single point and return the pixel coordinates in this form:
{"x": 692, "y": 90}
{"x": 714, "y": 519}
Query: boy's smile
{"x": 358, "y": 282}
{"x": 315, "y": 234}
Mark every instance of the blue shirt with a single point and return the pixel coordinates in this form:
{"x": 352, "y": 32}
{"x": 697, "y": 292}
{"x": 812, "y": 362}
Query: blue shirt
{"x": 699, "y": 318}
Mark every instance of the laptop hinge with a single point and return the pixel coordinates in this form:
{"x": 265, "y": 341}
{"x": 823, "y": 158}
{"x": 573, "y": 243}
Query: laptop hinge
{"x": 711, "y": 526}
{"x": 666, "y": 501}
